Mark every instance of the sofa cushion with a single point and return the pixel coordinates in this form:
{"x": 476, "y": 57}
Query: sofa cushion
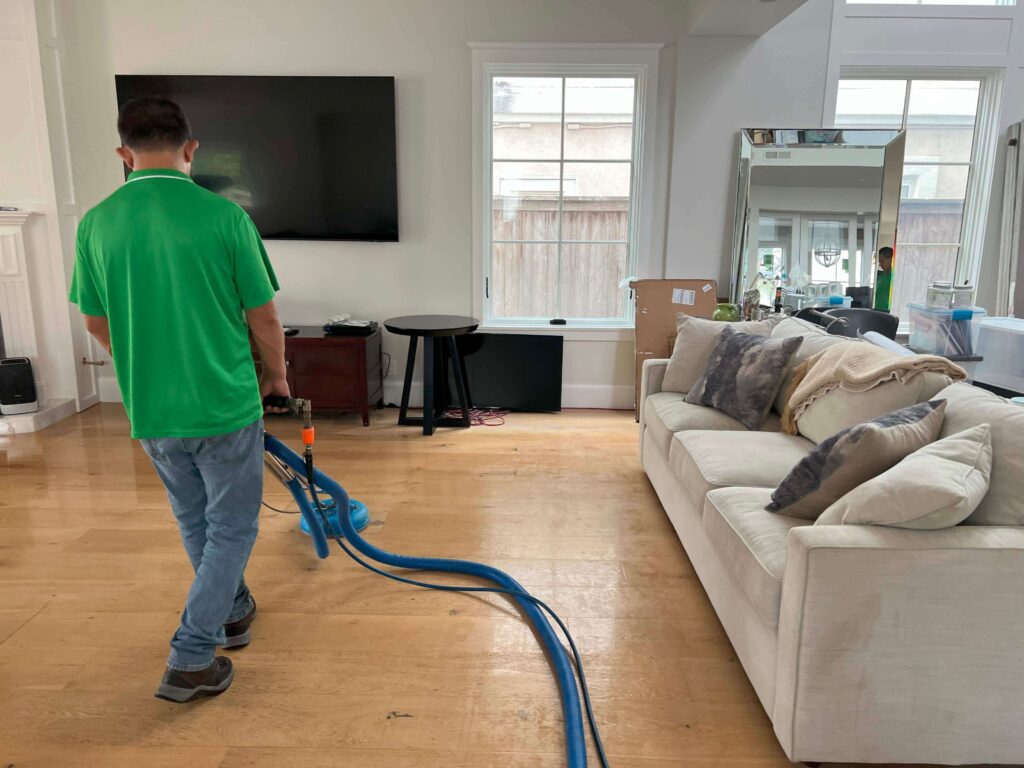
{"x": 968, "y": 406}
{"x": 743, "y": 375}
{"x": 842, "y": 462}
{"x": 815, "y": 340}
{"x": 938, "y": 486}
{"x": 751, "y": 544}
{"x": 704, "y": 461}
{"x": 695, "y": 338}
{"x": 839, "y": 409}
{"x": 666, "y": 413}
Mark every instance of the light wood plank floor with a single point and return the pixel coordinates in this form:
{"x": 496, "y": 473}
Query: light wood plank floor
{"x": 347, "y": 668}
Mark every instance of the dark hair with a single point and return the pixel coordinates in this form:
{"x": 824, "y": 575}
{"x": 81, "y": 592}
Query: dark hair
{"x": 885, "y": 252}
{"x": 152, "y": 123}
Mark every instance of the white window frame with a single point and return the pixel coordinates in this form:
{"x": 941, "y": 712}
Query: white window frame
{"x": 638, "y": 61}
{"x": 936, "y": 8}
{"x": 983, "y": 153}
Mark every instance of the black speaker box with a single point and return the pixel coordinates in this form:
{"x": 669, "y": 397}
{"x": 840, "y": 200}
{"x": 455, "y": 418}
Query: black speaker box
{"x": 17, "y": 386}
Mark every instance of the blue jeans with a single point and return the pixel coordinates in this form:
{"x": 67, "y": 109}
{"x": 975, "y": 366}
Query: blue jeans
{"x": 215, "y": 485}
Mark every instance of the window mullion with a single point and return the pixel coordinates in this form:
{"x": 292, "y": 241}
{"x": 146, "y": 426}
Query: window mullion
{"x": 561, "y": 206}
{"x": 630, "y": 222}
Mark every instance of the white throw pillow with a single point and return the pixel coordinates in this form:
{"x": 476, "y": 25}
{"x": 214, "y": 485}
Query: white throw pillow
{"x": 840, "y": 409}
{"x": 969, "y": 406}
{"x": 938, "y": 486}
{"x": 695, "y": 338}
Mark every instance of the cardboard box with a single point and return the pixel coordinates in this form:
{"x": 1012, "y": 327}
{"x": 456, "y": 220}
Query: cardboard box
{"x": 657, "y": 302}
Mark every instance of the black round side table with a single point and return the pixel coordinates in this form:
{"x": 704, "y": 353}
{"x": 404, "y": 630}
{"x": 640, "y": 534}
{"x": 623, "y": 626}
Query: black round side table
{"x": 439, "y": 348}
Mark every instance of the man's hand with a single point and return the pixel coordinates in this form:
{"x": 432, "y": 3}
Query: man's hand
{"x": 274, "y": 386}
{"x": 269, "y": 338}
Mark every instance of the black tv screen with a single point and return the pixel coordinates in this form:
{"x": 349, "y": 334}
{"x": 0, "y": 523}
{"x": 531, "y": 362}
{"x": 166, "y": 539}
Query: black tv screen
{"x": 309, "y": 158}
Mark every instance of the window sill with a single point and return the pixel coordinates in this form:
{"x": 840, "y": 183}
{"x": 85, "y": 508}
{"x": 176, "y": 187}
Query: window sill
{"x": 568, "y": 332}
{"x": 929, "y": 11}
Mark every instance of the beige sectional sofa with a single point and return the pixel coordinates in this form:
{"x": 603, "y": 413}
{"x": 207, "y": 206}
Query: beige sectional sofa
{"x": 863, "y": 643}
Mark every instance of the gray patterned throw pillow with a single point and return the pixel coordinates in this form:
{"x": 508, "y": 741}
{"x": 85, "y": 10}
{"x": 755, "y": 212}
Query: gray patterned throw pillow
{"x": 695, "y": 339}
{"x": 853, "y": 456}
{"x": 743, "y": 375}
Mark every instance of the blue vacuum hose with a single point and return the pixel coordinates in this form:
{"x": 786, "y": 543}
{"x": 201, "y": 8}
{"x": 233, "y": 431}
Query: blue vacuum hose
{"x": 575, "y": 746}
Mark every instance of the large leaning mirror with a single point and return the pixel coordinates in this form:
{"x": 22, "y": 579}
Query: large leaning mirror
{"x": 816, "y": 213}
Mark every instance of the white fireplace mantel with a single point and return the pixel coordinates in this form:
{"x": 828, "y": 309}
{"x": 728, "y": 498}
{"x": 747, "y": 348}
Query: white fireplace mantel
{"x": 19, "y": 328}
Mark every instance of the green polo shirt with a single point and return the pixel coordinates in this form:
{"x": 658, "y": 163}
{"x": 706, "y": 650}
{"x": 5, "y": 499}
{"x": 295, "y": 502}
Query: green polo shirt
{"x": 883, "y": 290}
{"x": 172, "y": 267}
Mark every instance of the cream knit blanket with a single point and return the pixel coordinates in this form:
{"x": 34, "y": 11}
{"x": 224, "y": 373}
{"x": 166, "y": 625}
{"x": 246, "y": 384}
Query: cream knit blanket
{"x": 855, "y": 368}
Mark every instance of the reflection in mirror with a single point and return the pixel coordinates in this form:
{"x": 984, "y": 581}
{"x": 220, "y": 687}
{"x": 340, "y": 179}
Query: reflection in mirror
{"x": 816, "y": 211}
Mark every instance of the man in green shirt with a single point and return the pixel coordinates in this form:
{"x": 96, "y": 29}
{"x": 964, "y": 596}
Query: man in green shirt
{"x": 171, "y": 279}
{"x": 883, "y": 280}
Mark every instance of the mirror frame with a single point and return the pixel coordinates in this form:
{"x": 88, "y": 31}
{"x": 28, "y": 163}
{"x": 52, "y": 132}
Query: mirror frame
{"x": 889, "y": 202}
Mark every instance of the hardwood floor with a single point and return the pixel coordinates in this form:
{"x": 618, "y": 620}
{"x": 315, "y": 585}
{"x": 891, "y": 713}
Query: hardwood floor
{"x": 347, "y": 668}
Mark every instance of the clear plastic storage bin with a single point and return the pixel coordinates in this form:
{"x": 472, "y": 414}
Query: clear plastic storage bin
{"x": 1001, "y": 343}
{"x": 831, "y": 302}
{"x": 948, "y": 332}
{"x": 798, "y": 301}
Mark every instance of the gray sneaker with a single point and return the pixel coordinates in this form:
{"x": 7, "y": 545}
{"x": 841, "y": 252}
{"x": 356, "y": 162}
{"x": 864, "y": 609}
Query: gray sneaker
{"x": 181, "y": 686}
{"x": 237, "y": 634}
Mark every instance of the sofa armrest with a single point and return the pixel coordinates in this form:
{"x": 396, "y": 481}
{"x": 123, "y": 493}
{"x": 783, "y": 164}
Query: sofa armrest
{"x": 651, "y": 376}
{"x": 901, "y": 646}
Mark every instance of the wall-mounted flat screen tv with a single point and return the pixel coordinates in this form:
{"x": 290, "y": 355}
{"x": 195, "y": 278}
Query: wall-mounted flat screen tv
{"x": 309, "y": 158}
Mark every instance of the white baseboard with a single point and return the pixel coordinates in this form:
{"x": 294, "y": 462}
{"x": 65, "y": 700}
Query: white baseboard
{"x": 610, "y": 396}
{"x": 393, "y": 392}
{"x": 109, "y": 391}
{"x": 617, "y": 397}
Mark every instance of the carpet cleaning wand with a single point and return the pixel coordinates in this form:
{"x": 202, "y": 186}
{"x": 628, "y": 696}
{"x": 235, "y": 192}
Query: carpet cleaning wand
{"x": 307, "y": 484}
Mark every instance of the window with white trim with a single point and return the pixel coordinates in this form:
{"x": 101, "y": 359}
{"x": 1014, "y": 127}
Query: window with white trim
{"x": 931, "y": 2}
{"x": 940, "y": 116}
{"x": 561, "y": 154}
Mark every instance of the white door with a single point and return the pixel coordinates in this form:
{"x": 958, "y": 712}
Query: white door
{"x": 88, "y": 359}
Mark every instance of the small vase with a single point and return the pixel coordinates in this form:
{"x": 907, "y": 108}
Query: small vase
{"x": 726, "y": 312}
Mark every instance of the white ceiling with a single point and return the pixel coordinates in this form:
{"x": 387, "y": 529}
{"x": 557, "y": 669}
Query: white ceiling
{"x": 819, "y": 177}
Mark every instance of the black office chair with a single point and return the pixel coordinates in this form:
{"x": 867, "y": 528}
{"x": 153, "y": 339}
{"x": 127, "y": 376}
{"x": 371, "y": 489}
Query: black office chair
{"x": 860, "y": 295}
{"x": 861, "y": 320}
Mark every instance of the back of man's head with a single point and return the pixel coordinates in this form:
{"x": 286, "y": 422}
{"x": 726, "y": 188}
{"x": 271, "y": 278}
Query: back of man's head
{"x": 885, "y": 258}
{"x": 152, "y": 124}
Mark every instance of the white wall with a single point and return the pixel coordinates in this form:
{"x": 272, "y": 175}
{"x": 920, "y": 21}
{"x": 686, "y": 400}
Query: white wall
{"x": 21, "y": 174}
{"x": 848, "y": 200}
{"x": 28, "y": 182}
{"x": 725, "y": 84}
{"x": 424, "y": 45}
